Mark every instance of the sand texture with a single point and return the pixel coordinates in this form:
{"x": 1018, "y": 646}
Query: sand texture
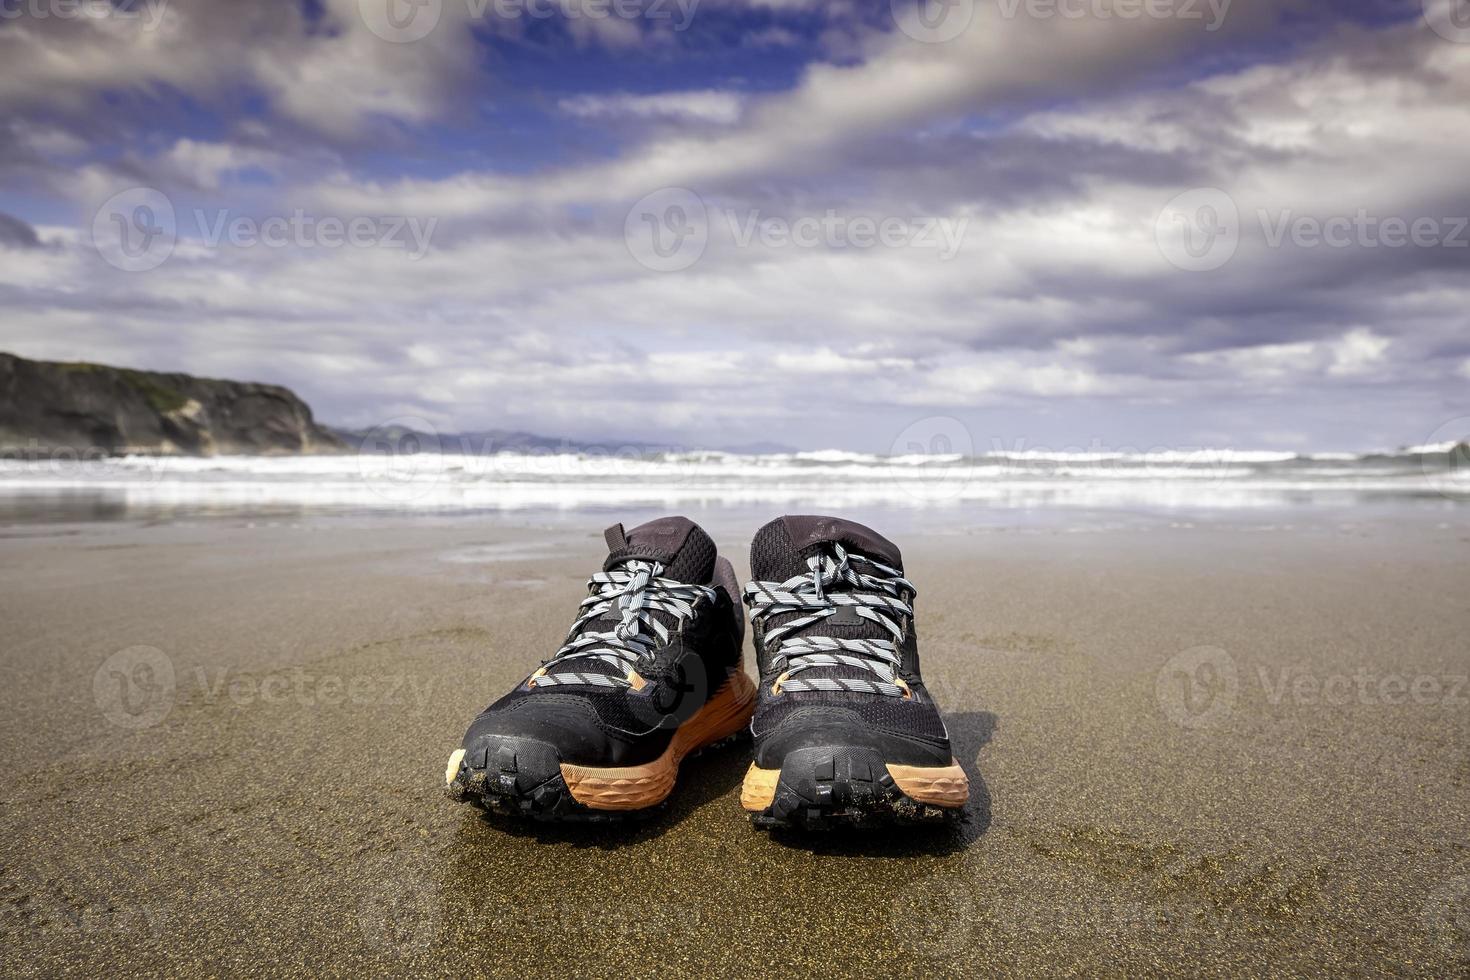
{"x": 1193, "y": 750}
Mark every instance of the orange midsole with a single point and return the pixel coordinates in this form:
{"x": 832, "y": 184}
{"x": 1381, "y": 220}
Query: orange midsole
{"x": 638, "y": 787}
{"x": 945, "y": 786}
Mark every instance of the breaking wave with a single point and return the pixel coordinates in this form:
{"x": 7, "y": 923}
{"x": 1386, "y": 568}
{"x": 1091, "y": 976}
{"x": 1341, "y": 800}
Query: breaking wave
{"x": 509, "y": 480}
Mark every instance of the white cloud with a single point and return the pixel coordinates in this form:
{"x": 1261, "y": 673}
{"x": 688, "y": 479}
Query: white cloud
{"x": 47, "y": 141}
{"x": 973, "y": 380}
{"x": 1267, "y": 361}
{"x": 334, "y": 77}
{"x": 1357, "y": 352}
{"x": 204, "y": 164}
{"x": 707, "y": 105}
{"x": 529, "y": 311}
{"x": 1354, "y": 353}
{"x": 903, "y": 82}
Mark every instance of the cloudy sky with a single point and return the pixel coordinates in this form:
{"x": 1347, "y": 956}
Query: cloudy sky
{"x": 1065, "y": 223}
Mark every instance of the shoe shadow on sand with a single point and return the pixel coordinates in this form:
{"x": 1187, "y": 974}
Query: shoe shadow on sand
{"x": 969, "y": 732}
{"x": 703, "y": 778}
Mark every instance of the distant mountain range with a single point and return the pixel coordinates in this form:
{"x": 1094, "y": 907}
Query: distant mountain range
{"x": 46, "y": 406}
{"x": 397, "y": 438}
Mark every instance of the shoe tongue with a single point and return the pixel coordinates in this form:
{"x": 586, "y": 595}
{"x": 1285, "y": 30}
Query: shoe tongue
{"x": 780, "y": 551}
{"x": 677, "y": 543}
{"x": 781, "y": 548}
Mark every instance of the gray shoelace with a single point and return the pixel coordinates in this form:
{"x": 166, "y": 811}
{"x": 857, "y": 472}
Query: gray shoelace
{"x": 637, "y": 590}
{"x": 872, "y": 590}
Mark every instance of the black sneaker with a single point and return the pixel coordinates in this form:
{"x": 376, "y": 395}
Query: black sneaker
{"x": 845, "y": 732}
{"x": 650, "y": 672}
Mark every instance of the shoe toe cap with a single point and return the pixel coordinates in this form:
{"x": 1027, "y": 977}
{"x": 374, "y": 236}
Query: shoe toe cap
{"x": 826, "y": 727}
{"x": 568, "y": 728}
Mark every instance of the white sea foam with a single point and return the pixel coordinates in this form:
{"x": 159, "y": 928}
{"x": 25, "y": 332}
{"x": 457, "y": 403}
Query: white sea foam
{"x": 1434, "y": 447}
{"x": 1170, "y": 478}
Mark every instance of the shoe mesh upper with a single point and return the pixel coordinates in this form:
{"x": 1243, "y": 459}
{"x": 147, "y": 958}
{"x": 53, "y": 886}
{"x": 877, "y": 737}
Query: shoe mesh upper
{"x": 775, "y": 557}
{"x": 909, "y": 717}
{"x": 681, "y": 546}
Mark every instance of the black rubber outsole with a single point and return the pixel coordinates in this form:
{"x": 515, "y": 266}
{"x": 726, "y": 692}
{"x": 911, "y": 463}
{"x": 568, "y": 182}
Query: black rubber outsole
{"x": 844, "y": 788}
{"x": 522, "y": 781}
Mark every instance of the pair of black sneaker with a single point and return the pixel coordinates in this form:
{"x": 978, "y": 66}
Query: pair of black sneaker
{"x": 651, "y": 671}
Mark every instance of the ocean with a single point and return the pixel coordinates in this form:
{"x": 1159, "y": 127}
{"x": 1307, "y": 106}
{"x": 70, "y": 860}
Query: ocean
{"x": 1436, "y": 476}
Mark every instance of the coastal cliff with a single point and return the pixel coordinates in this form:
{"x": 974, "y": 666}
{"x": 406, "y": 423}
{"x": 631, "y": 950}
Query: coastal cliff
{"x": 51, "y": 405}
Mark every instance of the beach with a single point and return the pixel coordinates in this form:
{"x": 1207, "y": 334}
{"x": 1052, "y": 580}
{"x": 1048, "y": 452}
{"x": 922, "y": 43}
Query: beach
{"x": 345, "y": 341}
{"x": 1222, "y": 747}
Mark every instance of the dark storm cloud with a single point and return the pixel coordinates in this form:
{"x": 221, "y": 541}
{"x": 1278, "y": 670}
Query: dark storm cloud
{"x": 1054, "y": 145}
{"x": 15, "y": 233}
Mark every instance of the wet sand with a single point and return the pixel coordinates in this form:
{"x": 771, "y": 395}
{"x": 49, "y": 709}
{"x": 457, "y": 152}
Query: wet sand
{"x": 1193, "y": 749}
